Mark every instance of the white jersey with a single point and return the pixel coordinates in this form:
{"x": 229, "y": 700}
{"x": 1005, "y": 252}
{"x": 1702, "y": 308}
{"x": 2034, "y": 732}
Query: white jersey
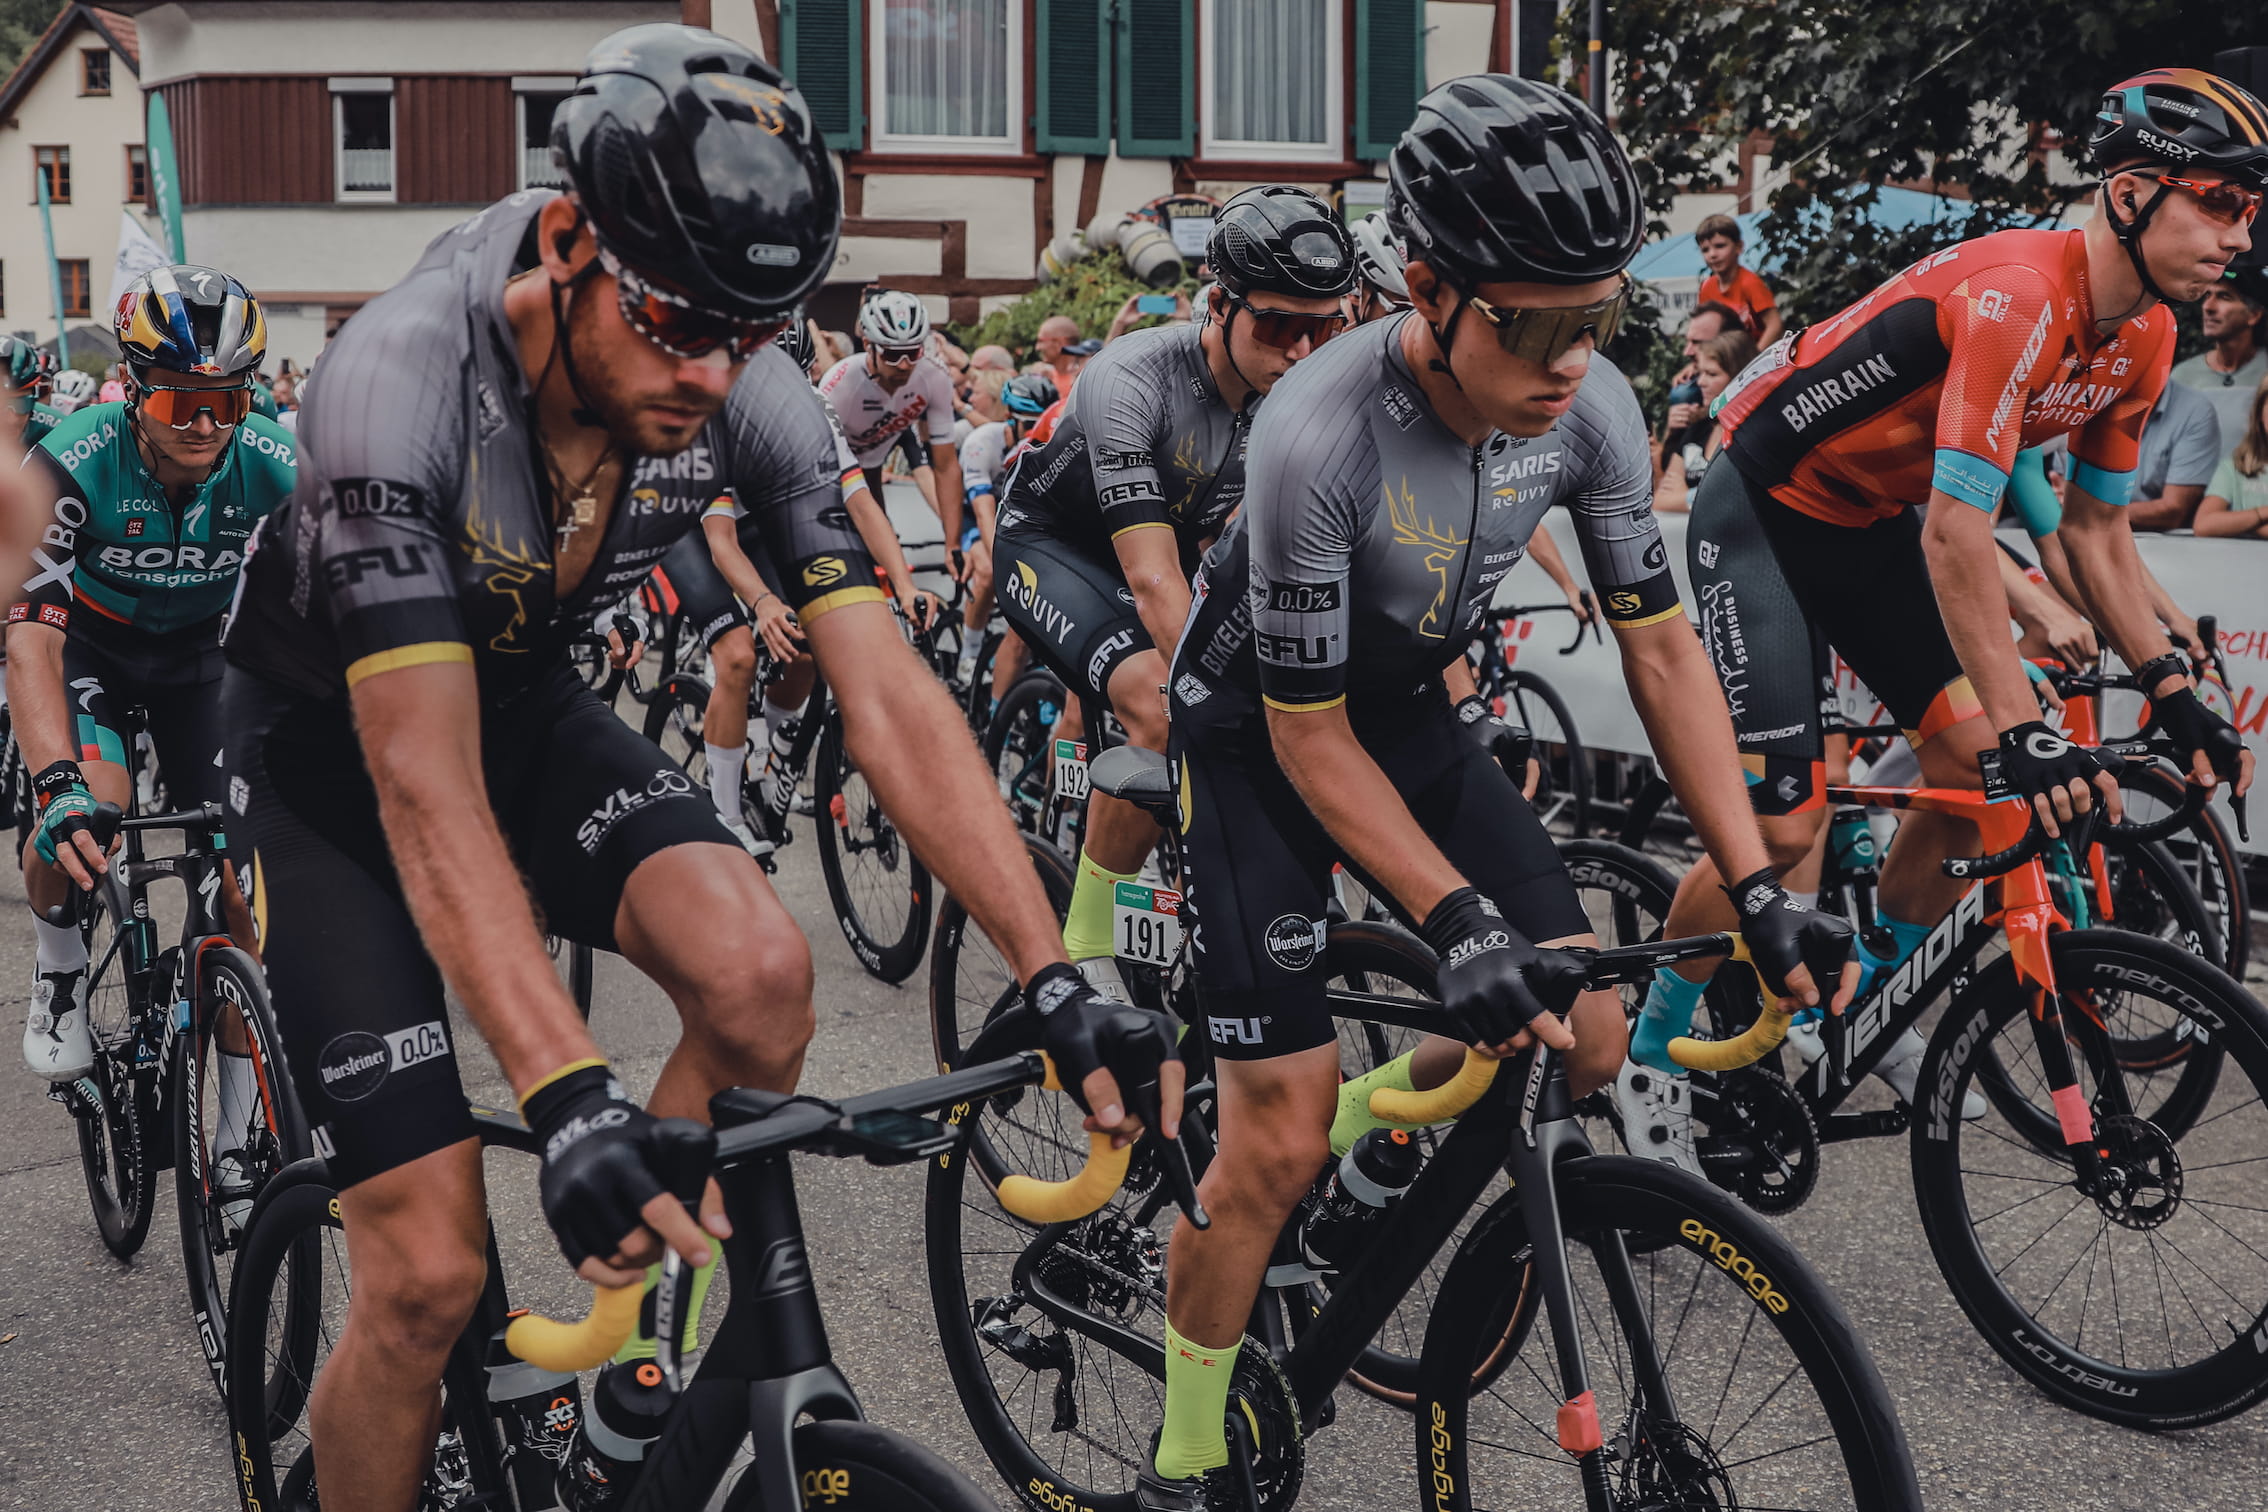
{"x": 984, "y": 460}
{"x": 873, "y": 420}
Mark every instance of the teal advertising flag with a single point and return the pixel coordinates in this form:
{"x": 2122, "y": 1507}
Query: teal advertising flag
{"x": 165, "y": 177}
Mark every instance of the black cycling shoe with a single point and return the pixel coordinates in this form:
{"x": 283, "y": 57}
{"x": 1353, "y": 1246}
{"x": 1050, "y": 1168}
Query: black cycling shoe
{"x": 1154, "y": 1493}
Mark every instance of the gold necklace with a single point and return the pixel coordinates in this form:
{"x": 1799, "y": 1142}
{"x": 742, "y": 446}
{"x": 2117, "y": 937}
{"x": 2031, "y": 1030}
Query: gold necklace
{"x": 578, "y": 502}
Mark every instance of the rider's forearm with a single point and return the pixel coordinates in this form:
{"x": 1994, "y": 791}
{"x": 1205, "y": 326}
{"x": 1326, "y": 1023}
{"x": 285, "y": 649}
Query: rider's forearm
{"x": 1546, "y": 553}
{"x": 732, "y": 563}
{"x": 1964, "y": 570}
{"x": 948, "y": 464}
{"x": 911, "y": 743}
{"x": 1683, "y": 709}
{"x": 1359, "y": 807}
{"x": 2108, "y": 570}
{"x": 38, "y": 705}
{"x": 420, "y": 733}
{"x": 1151, "y": 559}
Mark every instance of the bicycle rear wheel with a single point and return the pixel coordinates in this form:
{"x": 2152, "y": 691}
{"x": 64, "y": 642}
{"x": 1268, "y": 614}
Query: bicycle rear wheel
{"x": 287, "y": 1303}
{"x": 2140, "y": 1301}
{"x": 857, "y": 1467}
{"x": 1563, "y": 797}
{"x": 879, "y": 888}
{"x": 115, "y": 1104}
{"x": 1019, "y": 746}
{"x": 1723, "y": 1371}
{"x": 220, "y": 1165}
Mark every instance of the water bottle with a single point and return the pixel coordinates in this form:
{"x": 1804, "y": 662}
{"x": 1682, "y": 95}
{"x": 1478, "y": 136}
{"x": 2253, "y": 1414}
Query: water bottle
{"x": 629, "y": 1406}
{"x": 541, "y": 1410}
{"x": 1852, "y": 840}
{"x": 1378, "y": 1170}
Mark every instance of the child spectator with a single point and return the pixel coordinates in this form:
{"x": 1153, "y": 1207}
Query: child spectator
{"x": 1733, "y": 286}
{"x": 1687, "y": 453}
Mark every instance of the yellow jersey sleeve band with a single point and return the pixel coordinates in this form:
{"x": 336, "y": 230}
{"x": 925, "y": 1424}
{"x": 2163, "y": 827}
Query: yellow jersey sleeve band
{"x": 1643, "y": 603}
{"x": 422, "y": 654}
{"x": 1303, "y": 708}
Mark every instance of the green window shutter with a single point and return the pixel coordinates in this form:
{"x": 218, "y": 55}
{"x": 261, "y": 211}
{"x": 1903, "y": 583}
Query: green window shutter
{"x": 1389, "y": 72}
{"x": 1157, "y": 102}
{"x": 820, "y": 43}
{"x": 1074, "y": 76}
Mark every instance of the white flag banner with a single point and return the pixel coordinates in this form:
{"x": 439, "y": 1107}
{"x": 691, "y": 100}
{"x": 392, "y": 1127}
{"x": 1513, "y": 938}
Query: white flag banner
{"x": 138, "y": 252}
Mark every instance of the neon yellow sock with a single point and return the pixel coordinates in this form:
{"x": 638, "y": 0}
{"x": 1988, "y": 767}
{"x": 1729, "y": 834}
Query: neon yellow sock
{"x": 640, "y": 1344}
{"x": 1354, "y": 1117}
{"x": 1086, "y": 930}
{"x": 1196, "y": 1399}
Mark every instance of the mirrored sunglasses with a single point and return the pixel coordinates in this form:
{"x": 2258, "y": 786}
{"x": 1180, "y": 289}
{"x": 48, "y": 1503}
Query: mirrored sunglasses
{"x": 177, "y": 408}
{"x": 679, "y": 327}
{"x": 1541, "y": 335}
{"x": 1285, "y": 329}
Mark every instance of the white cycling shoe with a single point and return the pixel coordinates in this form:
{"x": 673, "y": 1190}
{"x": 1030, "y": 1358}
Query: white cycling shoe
{"x": 1101, "y": 973}
{"x": 756, "y": 845}
{"x": 1899, "y": 1068}
{"x": 57, "y": 1046}
{"x": 1657, "y": 1115}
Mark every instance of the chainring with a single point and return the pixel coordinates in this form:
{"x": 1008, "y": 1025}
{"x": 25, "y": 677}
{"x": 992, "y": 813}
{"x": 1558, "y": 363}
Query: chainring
{"x": 1762, "y": 1144}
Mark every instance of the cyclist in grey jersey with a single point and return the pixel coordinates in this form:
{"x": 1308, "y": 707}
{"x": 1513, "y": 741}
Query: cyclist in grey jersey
{"x": 1103, "y": 523}
{"x": 1393, "y": 479}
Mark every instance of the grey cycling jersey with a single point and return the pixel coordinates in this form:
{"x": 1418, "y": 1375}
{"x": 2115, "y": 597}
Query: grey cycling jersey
{"x": 421, "y": 527}
{"x": 1373, "y": 537}
{"x": 1144, "y": 441}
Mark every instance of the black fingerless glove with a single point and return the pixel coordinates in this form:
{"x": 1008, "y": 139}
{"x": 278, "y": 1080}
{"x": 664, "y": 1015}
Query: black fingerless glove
{"x": 1084, "y": 1032}
{"x": 1782, "y": 934}
{"x": 2033, "y": 759}
{"x": 1484, "y": 961}
{"x": 599, "y": 1160}
{"x": 2193, "y": 727}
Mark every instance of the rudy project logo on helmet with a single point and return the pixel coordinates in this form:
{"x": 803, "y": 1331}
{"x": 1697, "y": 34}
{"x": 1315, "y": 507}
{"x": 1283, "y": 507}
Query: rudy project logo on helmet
{"x": 2180, "y": 152}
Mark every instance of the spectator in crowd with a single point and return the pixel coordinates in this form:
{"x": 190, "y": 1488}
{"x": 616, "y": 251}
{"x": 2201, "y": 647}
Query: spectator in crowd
{"x": 980, "y": 405}
{"x": 114, "y": 387}
{"x": 1688, "y": 450}
{"x": 2236, "y": 501}
{"x": 996, "y": 359}
{"x": 1733, "y": 286}
{"x": 835, "y": 346}
{"x": 2235, "y": 358}
{"x": 1705, "y": 324}
{"x": 1055, "y": 333}
{"x": 2181, "y": 444}
{"x": 1070, "y": 361}
{"x": 1129, "y": 315}
{"x": 286, "y": 391}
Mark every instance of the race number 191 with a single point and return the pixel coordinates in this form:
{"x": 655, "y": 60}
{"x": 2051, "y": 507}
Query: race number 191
{"x": 1146, "y": 924}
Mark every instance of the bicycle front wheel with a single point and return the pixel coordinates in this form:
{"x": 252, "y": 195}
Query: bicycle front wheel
{"x": 225, "y": 1151}
{"x": 879, "y": 888}
{"x": 115, "y": 1103}
{"x": 2135, "y": 1296}
{"x": 857, "y": 1467}
{"x": 1723, "y": 1371}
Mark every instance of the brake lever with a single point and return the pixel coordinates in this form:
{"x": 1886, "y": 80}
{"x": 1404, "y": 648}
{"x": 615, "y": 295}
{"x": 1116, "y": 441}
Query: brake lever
{"x": 1146, "y": 1103}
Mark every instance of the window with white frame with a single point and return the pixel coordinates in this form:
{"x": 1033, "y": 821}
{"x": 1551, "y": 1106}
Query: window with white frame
{"x": 1272, "y": 85}
{"x": 536, "y": 100}
{"x": 947, "y": 75}
{"x": 362, "y": 126}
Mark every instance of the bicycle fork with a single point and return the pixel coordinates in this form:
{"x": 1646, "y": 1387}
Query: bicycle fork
{"x": 2029, "y": 927}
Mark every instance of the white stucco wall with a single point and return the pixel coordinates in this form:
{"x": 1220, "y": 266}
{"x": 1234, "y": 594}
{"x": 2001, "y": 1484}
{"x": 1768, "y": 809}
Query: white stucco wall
{"x": 1456, "y": 40}
{"x": 277, "y": 36}
{"x": 998, "y": 210}
{"x": 97, "y": 129}
{"x": 328, "y": 249}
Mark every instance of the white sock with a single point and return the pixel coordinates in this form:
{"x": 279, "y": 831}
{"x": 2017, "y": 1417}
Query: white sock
{"x": 726, "y": 764}
{"x": 239, "y": 1096}
{"x": 61, "y": 947}
{"x": 1807, "y": 899}
{"x": 777, "y": 714}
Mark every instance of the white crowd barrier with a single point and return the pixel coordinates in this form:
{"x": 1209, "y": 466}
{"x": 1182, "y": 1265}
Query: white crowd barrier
{"x": 2227, "y": 579}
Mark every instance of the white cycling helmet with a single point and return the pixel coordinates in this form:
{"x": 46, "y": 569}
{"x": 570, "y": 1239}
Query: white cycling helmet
{"x": 73, "y": 389}
{"x": 1378, "y": 260}
{"x": 892, "y": 319}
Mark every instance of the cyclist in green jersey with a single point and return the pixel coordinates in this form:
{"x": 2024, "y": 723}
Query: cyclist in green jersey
{"x": 148, "y": 505}
{"x": 23, "y": 374}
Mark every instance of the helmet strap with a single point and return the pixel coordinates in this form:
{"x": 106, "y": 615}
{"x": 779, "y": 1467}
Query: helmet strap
{"x": 1444, "y": 336}
{"x": 563, "y": 350}
{"x": 1228, "y": 346}
{"x": 2129, "y": 234}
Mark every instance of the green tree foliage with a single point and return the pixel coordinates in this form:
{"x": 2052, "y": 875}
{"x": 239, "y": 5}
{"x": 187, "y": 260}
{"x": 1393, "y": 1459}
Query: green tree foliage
{"x": 1855, "y": 95}
{"x": 1091, "y": 291}
{"x": 21, "y": 22}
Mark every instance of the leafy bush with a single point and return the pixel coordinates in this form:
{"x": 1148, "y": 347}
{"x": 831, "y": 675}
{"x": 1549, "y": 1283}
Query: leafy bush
{"x": 1091, "y": 291}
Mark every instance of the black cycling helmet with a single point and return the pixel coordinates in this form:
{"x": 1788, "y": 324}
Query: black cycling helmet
{"x": 1029, "y": 396}
{"x": 700, "y": 168}
{"x": 1502, "y": 179}
{"x": 796, "y": 340}
{"x": 2184, "y": 119}
{"x": 1281, "y": 240}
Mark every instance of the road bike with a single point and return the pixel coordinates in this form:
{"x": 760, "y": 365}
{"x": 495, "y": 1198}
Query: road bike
{"x": 1052, "y": 1330}
{"x": 511, "y": 1405}
{"x": 162, "y": 1018}
{"x": 1525, "y": 697}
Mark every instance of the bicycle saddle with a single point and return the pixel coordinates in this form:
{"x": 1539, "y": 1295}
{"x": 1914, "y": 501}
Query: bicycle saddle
{"x": 1139, "y": 776}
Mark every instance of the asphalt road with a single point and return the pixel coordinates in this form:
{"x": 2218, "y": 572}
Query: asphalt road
{"x": 105, "y": 1403}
